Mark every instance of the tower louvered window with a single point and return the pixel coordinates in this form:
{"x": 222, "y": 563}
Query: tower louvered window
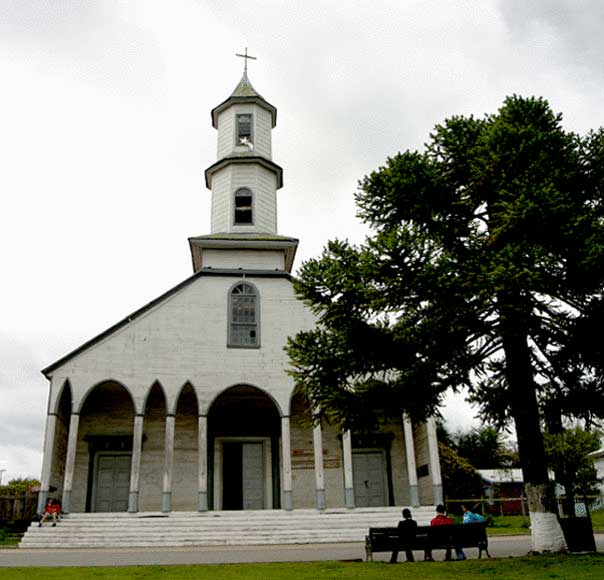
{"x": 243, "y": 315}
{"x": 244, "y": 207}
{"x": 244, "y": 127}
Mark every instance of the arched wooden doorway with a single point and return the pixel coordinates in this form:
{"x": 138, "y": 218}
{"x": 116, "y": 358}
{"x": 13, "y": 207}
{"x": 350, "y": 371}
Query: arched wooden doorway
{"x": 243, "y": 434}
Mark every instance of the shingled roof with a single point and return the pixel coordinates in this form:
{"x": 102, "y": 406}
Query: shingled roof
{"x": 244, "y": 93}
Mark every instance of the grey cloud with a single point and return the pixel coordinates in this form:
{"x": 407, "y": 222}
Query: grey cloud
{"x": 575, "y": 27}
{"x": 21, "y": 429}
{"x": 85, "y": 39}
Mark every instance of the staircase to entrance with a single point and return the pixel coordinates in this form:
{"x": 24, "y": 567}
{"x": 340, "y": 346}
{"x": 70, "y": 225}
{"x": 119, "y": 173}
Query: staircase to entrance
{"x": 215, "y": 528}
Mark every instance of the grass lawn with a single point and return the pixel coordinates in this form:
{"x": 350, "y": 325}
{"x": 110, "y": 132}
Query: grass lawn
{"x": 597, "y": 520}
{"x": 509, "y": 525}
{"x": 557, "y": 567}
{"x": 8, "y": 540}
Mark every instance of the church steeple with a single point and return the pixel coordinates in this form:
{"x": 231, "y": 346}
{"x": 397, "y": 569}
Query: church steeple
{"x": 244, "y": 181}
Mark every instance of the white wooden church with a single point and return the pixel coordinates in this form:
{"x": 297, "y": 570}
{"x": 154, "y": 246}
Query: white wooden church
{"x": 186, "y": 404}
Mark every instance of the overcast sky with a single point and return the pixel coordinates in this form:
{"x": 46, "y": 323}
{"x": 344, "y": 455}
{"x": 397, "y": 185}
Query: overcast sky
{"x": 105, "y": 133}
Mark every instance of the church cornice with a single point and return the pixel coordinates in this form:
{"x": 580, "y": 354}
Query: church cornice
{"x": 243, "y": 241}
{"x": 248, "y": 159}
{"x": 227, "y": 273}
{"x": 244, "y": 237}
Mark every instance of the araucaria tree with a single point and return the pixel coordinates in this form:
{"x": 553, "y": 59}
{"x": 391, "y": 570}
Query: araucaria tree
{"x": 488, "y": 246}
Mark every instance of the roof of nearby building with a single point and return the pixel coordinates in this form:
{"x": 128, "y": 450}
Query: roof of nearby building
{"x": 504, "y": 475}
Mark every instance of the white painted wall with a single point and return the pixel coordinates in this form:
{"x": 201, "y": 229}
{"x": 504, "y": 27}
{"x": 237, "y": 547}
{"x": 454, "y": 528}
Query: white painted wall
{"x": 184, "y": 339}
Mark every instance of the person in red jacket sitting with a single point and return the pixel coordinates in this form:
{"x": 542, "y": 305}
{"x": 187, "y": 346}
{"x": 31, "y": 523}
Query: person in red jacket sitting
{"x": 442, "y": 519}
{"x": 53, "y": 508}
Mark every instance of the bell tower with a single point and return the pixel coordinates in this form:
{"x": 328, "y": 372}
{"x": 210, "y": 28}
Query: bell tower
{"x": 244, "y": 182}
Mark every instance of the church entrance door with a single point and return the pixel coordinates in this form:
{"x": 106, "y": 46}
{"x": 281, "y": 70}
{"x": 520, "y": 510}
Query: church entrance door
{"x": 369, "y": 479}
{"x": 111, "y": 482}
{"x": 242, "y": 474}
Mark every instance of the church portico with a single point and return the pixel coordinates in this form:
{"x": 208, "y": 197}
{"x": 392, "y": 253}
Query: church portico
{"x": 237, "y": 450}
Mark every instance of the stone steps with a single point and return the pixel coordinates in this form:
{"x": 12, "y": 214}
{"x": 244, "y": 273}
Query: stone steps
{"x": 214, "y": 528}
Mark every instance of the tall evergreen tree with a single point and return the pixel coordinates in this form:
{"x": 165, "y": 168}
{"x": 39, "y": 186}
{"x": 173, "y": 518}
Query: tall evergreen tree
{"x": 488, "y": 247}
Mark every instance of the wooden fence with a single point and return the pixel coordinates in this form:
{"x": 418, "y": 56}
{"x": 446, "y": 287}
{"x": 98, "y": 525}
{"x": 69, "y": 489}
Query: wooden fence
{"x": 18, "y": 508}
{"x": 500, "y": 506}
{"x": 507, "y": 506}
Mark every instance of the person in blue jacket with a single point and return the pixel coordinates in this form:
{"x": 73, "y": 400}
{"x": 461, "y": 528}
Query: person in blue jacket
{"x": 470, "y": 517}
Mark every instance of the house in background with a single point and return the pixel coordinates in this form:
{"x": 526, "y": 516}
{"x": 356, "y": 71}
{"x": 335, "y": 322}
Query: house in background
{"x": 503, "y": 489}
{"x": 598, "y": 458}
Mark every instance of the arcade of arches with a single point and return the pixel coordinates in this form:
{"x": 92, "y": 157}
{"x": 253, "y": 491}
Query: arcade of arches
{"x": 244, "y": 452}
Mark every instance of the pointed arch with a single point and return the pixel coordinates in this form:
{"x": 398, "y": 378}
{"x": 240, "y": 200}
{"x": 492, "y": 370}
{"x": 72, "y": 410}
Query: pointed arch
{"x": 65, "y": 394}
{"x": 183, "y": 392}
{"x": 225, "y": 392}
{"x": 104, "y": 446}
{"x": 155, "y": 412}
{"x": 187, "y": 439}
{"x": 153, "y": 392}
{"x": 104, "y": 383}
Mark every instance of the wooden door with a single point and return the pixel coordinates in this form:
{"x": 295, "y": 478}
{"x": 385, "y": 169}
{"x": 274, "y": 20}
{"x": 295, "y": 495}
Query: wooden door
{"x": 112, "y": 483}
{"x": 253, "y": 476}
{"x": 368, "y": 479}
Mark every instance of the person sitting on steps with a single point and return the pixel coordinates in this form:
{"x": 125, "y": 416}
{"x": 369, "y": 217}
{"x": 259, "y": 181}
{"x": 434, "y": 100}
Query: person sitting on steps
{"x": 53, "y": 508}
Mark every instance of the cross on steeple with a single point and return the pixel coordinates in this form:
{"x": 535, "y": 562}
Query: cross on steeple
{"x": 246, "y": 57}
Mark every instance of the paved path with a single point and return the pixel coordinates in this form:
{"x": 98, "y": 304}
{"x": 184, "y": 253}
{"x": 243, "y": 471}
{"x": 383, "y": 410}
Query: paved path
{"x": 499, "y": 546}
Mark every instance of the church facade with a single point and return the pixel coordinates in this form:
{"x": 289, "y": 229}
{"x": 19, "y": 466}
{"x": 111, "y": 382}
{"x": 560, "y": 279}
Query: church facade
{"x": 186, "y": 404}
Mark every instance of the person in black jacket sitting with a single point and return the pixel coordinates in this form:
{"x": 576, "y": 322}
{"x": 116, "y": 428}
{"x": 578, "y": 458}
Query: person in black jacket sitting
{"x": 406, "y": 533}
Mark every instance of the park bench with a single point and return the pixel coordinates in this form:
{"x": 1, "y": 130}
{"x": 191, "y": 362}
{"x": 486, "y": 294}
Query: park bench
{"x": 428, "y": 537}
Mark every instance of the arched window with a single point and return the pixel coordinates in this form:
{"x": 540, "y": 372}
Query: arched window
{"x": 244, "y": 204}
{"x": 244, "y": 316}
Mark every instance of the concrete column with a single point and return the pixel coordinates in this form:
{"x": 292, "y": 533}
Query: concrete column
{"x": 411, "y": 464}
{"x": 72, "y": 442}
{"x": 317, "y": 437}
{"x": 217, "y": 475}
{"x": 166, "y": 496}
{"x": 135, "y": 467}
{"x": 348, "y": 480}
{"x": 49, "y": 444}
{"x": 437, "y": 482}
{"x": 202, "y": 438}
{"x": 287, "y": 464}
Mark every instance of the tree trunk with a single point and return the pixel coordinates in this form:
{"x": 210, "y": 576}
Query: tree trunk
{"x": 545, "y": 530}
